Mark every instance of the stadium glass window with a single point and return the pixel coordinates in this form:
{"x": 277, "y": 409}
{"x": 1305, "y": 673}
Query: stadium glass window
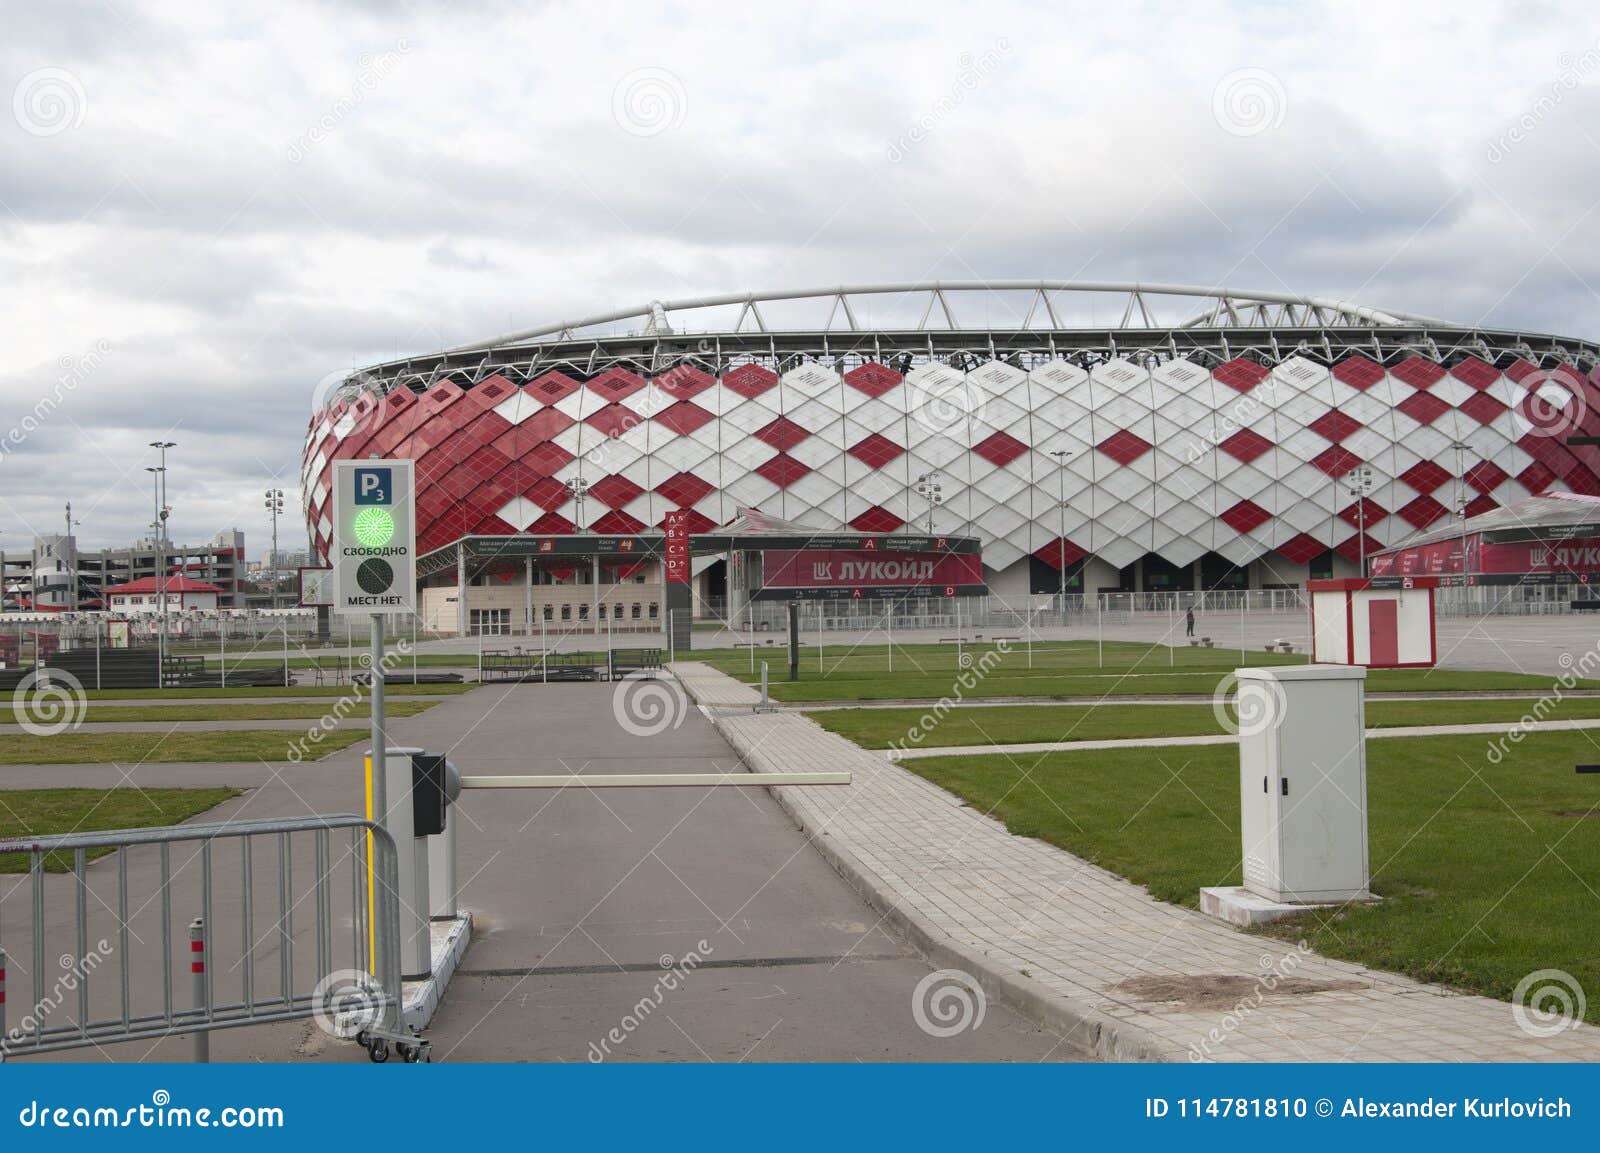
{"x": 616, "y": 612}
{"x": 583, "y": 612}
{"x": 635, "y": 614}
{"x": 655, "y": 612}
{"x": 566, "y": 612}
{"x": 549, "y": 612}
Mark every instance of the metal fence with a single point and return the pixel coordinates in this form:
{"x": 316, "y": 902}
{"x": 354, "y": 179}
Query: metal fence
{"x": 103, "y": 956}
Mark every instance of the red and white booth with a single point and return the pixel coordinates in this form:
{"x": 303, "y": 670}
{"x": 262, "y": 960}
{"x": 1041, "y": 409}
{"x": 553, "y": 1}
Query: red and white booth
{"x": 1382, "y": 623}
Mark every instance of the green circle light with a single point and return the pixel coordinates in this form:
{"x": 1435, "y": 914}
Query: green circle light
{"x": 374, "y": 527}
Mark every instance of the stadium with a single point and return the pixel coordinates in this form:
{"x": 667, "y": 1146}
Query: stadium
{"x": 1080, "y": 438}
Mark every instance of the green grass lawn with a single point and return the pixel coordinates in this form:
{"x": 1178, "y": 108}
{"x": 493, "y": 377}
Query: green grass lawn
{"x": 1487, "y": 872}
{"x": 78, "y": 748}
{"x": 42, "y": 812}
{"x": 270, "y": 691}
{"x": 1060, "y": 669}
{"x": 1028, "y": 724}
{"x": 224, "y": 711}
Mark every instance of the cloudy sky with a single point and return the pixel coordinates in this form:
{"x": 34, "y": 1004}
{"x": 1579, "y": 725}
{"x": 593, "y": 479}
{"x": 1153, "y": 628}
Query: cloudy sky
{"x": 203, "y": 213}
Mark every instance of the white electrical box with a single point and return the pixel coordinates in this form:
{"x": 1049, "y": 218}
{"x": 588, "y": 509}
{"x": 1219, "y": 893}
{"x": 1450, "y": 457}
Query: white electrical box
{"x": 1303, "y": 782}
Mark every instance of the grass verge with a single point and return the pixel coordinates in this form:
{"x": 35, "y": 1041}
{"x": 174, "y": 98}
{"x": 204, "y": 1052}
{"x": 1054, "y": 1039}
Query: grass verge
{"x": 165, "y": 748}
{"x": 43, "y": 812}
{"x": 1485, "y": 869}
{"x": 265, "y": 711}
{"x": 271, "y": 691}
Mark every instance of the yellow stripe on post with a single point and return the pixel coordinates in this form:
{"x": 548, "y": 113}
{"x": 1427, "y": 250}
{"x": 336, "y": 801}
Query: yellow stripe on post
{"x": 372, "y": 888}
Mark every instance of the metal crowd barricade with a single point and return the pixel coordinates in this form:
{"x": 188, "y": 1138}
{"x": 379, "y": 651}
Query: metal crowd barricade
{"x": 137, "y": 1002}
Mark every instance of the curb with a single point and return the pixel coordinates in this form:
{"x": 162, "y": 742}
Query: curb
{"x": 1102, "y": 1036}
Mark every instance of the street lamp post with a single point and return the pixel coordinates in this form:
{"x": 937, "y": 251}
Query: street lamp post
{"x": 1061, "y": 456}
{"x": 577, "y": 489}
{"x": 929, "y": 488}
{"x": 72, "y": 562}
{"x": 1359, "y": 482}
{"x": 1461, "y": 505}
{"x": 160, "y": 480}
{"x": 274, "y": 503}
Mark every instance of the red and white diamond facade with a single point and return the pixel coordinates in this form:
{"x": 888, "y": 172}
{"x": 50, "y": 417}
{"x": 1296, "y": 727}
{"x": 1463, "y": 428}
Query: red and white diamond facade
{"x": 1179, "y": 449}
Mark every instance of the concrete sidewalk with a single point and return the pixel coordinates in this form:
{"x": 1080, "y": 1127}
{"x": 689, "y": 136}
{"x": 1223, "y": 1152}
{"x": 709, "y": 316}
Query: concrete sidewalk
{"x": 1094, "y": 955}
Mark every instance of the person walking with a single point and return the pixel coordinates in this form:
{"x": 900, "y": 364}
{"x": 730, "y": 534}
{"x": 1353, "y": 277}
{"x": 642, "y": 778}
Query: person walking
{"x": 1188, "y": 623}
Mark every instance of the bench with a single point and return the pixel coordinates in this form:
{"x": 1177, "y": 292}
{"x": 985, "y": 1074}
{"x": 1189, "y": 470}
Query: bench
{"x": 627, "y": 662}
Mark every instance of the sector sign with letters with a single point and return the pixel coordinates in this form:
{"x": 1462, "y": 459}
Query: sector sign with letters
{"x": 374, "y": 536}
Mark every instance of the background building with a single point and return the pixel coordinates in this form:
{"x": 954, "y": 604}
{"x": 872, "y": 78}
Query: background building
{"x": 1247, "y": 441}
{"x": 41, "y": 579}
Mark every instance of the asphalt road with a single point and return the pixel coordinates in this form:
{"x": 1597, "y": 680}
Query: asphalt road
{"x": 579, "y": 896}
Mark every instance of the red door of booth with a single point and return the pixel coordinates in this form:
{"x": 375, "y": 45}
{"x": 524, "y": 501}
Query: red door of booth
{"x": 1383, "y": 633}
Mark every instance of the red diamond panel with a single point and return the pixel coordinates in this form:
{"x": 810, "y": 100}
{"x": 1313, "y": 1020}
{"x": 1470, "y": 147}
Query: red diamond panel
{"x": 545, "y": 423}
{"x": 876, "y": 450}
{"x": 1425, "y": 476}
{"x": 613, "y": 420}
{"x": 1240, "y": 374}
{"x": 782, "y": 470}
{"x": 1351, "y": 549}
{"x": 1520, "y": 370}
{"x": 1364, "y": 511}
{"x": 614, "y": 491}
{"x": 749, "y": 380}
{"x": 1422, "y": 512}
{"x": 1583, "y": 482}
{"x": 685, "y": 489}
{"x": 697, "y": 521}
{"x": 1124, "y": 447}
{"x": 1486, "y": 476}
{"x": 550, "y": 524}
{"x": 615, "y": 383}
{"x": 1245, "y": 445}
{"x": 1535, "y": 478}
{"x": 1244, "y": 516}
{"x": 876, "y": 519}
{"x": 489, "y": 392}
{"x": 1482, "y": 407}
{"x": 1418, "y": 372}
{"x": 547, "y": 458}
{"x": 617, "y": 521}
{"x": 683, "y": 417}
{"x": 551, "y": 387}
{"x": 1058, "y": 552}
{"x": 782, "y": 434}
{"x": 1358, "y": 372}
{"x": 1481, "y": 504}
{"x": 1002, "y": 448}
{"x": 1301, "y": 549}
{"x": 1480, "y": 374}
{"x": 1335, "y": 425}
{"x": 547, "y": 492}
{"x": 1423, "y": 407}
{"x": 872, "y": 379}
{"x": 1336, "y": 461}
{"x": 684, "y": 381}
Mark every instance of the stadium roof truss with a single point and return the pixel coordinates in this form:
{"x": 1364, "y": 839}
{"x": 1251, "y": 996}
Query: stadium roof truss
{"x": 965, "y": 323}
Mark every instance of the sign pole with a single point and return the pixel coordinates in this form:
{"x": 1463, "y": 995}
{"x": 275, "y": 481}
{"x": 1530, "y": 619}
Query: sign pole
{"x": 380, "y": 747}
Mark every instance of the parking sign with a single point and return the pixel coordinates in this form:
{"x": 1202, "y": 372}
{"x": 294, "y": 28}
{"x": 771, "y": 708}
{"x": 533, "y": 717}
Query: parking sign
{"x": 374, "y": 536}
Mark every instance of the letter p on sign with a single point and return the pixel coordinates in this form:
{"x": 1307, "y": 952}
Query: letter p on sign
{"x": 373, "y": 485}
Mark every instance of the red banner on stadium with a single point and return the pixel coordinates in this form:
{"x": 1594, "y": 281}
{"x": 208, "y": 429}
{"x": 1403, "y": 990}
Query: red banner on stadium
{"x": 824, "y": 568}
{"x": 677, "y": 542}
{"x": 1580, "y": 554}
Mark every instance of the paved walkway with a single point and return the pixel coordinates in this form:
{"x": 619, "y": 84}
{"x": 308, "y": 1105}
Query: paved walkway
{"x": 1232, "y": 739}
{"x": 1093, "y": 954}
{"x": 1103, "y": 701}
{"x": 706, "y": 686}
